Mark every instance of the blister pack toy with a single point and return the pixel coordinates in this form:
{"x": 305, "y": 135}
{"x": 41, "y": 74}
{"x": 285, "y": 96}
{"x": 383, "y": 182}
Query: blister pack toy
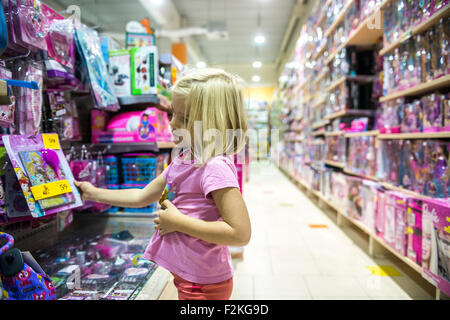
{"x": 43, "y": 173}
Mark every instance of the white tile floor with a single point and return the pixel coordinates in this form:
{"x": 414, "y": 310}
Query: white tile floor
{"x": 286, "y": 259}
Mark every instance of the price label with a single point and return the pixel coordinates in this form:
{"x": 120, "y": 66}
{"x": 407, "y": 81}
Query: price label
{"x": 409, "y": 230}
{"x": 51, "y": 189}
{"x": 51, "y": 140}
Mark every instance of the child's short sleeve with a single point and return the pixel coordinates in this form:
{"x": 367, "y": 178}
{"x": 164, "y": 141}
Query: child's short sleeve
{"x": 218, "y": 173}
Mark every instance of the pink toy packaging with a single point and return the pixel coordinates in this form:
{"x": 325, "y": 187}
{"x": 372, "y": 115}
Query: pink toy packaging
{"x": 98, "y": 124}
{"x": 414, "y": 230}
{"x": 354, "y": 198}
{"x": 134, "y": 126}
{"x": 394, "y": 227}
{"x": 370, "y": 198}
{"x": 380, "y": 213}
{"x": 435, "y": 243}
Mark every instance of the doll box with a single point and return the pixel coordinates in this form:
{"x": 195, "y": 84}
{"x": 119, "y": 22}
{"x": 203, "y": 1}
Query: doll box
{"x": 435, "y": 242}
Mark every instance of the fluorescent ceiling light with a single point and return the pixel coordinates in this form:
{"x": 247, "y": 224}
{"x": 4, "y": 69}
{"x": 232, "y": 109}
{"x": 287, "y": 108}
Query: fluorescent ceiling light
{"x": 201, "y": 64}
{"x": 260, "y": 39}
{"x": 256, "y": 78}
{"x": 257, "y": 64}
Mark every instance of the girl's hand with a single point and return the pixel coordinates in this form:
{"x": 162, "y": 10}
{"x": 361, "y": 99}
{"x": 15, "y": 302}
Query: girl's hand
{"x": 168, "y": 219}
{"x": 87, "y": 190}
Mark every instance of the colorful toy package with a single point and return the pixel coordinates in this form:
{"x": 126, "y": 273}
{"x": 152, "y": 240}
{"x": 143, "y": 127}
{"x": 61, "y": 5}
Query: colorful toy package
{"x": 43, "y": 173}
{"x": 134, "y": 126}
{"x": 435, "y": 243}
{"x": 414, "y": 230}
{"x": 120, "y": 72}
{"x": 144, "y": 70}
{"x": 88, "y": 46}
{"x": 394, "y": 219}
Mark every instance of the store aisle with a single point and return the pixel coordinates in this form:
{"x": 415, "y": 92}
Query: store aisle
{"x": 287, "y": 259}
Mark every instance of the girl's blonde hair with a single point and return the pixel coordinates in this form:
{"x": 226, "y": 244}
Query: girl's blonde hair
{"x": 213, "y": 97}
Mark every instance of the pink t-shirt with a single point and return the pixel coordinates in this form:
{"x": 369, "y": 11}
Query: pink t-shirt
{"x": 190, "y": 258}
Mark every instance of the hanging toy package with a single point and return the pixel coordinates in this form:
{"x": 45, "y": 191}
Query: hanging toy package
{"x": 29, "y": 101}
{"x": 88, "y": 45}
{"x": 60, "y": 42}
{"x": 7, "y": 111}
{"x": 84, "y": 169}
{"x": 33, "y": 25}
{"x": 43, "y": 173}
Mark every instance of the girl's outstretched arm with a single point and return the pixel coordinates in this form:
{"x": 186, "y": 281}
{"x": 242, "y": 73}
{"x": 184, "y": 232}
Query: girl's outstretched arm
{"x": 129, "y": 198}
{"x": 234, "y": 230}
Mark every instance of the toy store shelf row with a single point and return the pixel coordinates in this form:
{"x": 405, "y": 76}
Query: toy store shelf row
{"x": 374, "y": 240}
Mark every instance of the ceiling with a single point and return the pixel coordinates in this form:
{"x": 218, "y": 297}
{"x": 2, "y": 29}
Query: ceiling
{"x": 235, "y": 54}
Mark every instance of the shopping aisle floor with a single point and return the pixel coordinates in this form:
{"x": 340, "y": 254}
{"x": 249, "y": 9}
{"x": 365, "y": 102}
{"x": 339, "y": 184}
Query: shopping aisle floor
{"x": 287, "y": 259}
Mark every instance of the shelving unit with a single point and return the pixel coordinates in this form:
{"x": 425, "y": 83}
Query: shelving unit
{"x": 425, "y": 25}
{"x": 374, "y": 240}
{"x": 334, "y": 164}
{"x": 145, "y": 100}
{"x": 366, "y": 36}
{"x": 422, "y": 88}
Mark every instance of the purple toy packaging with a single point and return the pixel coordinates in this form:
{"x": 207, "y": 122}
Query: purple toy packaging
{"x": 435, "y": 243}
{"x": 414, "y": 230}
{"x": 433, "y": 113}
{"x": 436, "y": 160}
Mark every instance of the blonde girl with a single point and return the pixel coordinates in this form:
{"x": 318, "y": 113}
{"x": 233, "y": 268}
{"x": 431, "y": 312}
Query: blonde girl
{"x": 206, "y": 213}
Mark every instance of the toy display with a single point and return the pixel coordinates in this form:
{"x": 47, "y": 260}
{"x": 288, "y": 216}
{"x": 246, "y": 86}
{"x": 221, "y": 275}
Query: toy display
{"x": 144, "y": 70}
{"x": 361, "y": 157}
{"x": 110, "y": 266}
{"x": 420, "y": 59}
{"x": 435, "y": 238}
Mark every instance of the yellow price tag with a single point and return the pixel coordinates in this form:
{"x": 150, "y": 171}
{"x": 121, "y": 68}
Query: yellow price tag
{"x": 409, "y": 230}
{"x": 447, "y": 229}
{"x": 51, "y": 141}
{"x": 50, "y": 189}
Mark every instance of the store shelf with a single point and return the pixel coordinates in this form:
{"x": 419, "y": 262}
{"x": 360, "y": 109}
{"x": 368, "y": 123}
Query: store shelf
{"x": 423, "y": 88}
{"x": 318, "y": 103}
{"x": 434, "y": 19}
{"x": 341, "y": 213}
{"x": 319, "y": 133}
{"x": 339, "y": 18}
{"x": 362, "y": 134}
{"x": 365, "y": 34}
{"x": 360, "y": 175}
{"x": 321, "y": 124}
{"x": 389, "y": 186}
{"x": 145, "y": 100}
{"x": 335, "y": 164}
{"x": 418, "y": 135}
{"x": 320, "y": 51}
{"x": 115, "y": 148}
{"x": 333, "y": 134}
{"x": 336, "y": 84}
{"x": 350, "y": 113}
